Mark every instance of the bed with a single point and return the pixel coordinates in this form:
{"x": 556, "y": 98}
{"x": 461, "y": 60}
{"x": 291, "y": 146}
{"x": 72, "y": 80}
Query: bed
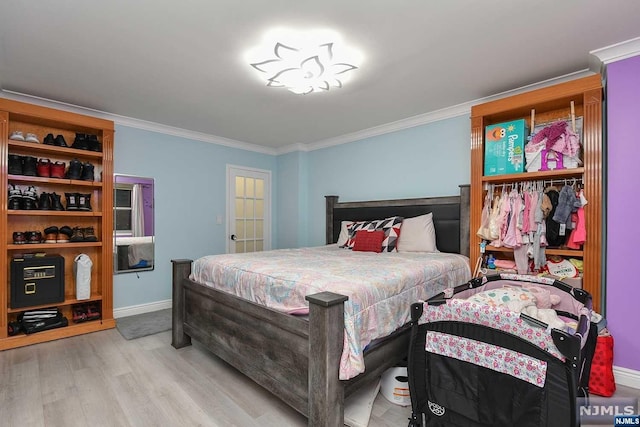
{"x": 298, "y": 358}
{"x": 134, "y": 252}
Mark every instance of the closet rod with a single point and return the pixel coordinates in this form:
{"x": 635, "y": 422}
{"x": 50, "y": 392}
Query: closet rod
{"x": 552, "y": 181}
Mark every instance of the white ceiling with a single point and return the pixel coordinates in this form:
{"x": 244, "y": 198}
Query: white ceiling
{"x": 180, "y": 63}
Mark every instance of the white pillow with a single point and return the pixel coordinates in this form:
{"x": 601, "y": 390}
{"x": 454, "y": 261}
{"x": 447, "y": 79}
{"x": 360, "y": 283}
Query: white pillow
{"x": 344, "y": 232}
{"x": 418, "y": 234}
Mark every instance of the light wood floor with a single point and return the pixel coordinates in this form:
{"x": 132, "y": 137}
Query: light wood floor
{"x": 101, "y": 379}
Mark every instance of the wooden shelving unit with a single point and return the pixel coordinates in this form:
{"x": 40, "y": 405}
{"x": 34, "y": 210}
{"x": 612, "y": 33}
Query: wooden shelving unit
{"x": 18, "y": 116}
{"x": 550, "y": 103}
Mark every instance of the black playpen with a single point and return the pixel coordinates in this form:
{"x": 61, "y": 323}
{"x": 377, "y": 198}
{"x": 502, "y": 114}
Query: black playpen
{"x": 503, "y": 350}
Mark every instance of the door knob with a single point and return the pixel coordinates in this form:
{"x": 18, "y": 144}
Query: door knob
{"x": 233, "y": 237}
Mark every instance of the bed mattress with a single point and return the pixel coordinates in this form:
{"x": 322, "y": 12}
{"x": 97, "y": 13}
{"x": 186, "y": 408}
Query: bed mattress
{"x": 381, "y": 286}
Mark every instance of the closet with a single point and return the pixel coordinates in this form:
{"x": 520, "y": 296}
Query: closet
{"x": 580, "y": 98}
{"x": 83, "y": 205}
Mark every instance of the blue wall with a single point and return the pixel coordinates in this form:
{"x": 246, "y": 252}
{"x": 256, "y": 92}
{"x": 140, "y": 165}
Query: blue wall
{"x": 427, "y": 160}
{"x": 190, "y": 191}
{"x": 292, "y": 202}
{"x": 190, "y": 185}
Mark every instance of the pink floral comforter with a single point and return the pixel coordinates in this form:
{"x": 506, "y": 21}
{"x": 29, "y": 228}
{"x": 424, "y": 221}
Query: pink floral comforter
{"x": 381, "y": 286}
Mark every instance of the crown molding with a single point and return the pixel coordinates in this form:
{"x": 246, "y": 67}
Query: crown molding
{"x": 292, "y": 148}
{"x": 434, "y": 116}
{"x": 137, "y": 123}
{"x": 617, "y": 52}
{"x": 419, "y": 120}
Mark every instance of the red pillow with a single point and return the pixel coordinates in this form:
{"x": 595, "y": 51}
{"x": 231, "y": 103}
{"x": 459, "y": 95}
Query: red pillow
{"x": 368, "y": 241}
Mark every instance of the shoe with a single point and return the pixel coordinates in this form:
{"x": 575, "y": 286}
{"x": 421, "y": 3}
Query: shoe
{"x": 92, "y": 143}
{"x": 89, "y": 234}
{"x": 93, "y": 311}
{"x": 57, "y": 169}
{"x": 56, "y": 204}
{"x": 80, "y": 142}
{"x": 30, "y": 193}
{"x": 31, "y": 137}
{"x": 29, "y": 197}
{"x": 84, "y": 202}
{"x": 34, "y": 237}
{"x": 51, "y": 234}
{"x": 85, "y": 312}
{"x": 44, "y": 203}
{"x": 29, "y": 166}
{"x": 15, "y": 198}
{"x": 15, "y": 164}
{"x": 48, "y": 140}
{"x": 75, "y": 169}
{"x": 19, "y": 238}
{"x": 16, "y": 136}
{"x": 14, "y": 328}
{"x": 87, "y": 172}
{"x": 60, "y": 142}
{"x": 72, "y": 201}
{"x": 15, "y": 204}
{"x": 28, "y": 204}
{"x": 79, "y": 313}
{"x": 78, "y": 235}
{"x": 64, "y": 234}
{"x": 43, "y": 168}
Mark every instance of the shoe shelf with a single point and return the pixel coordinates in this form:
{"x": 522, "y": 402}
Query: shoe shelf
{"x": 28, "y": 247}
{"x": 76, "y": 139}
{"x": 67, "y": 302}
{"x": 34, "y": 148}
{"x": 38, "y": 212}
{"x": 41, "y": 180}
{"x": 71, "y": 330}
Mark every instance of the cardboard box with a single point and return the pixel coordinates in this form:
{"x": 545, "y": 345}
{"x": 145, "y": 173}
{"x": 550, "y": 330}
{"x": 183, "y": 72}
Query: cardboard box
{"x": 504, "y": 147}
{"x": 576, "y": 282}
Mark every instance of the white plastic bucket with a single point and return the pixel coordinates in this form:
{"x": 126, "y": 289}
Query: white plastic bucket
{"x": 395, "y": 386}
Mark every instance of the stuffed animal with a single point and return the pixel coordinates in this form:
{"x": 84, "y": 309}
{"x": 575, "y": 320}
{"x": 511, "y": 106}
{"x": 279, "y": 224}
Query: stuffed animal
{"x": 544, "y": 298}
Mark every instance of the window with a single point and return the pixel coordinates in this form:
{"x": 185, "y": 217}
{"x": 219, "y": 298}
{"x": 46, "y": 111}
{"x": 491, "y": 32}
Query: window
{"x": 122, "y": 210}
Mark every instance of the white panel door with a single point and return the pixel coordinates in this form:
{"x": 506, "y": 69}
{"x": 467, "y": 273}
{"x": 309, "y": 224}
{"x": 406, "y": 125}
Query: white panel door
{"x": 249, "y": 207}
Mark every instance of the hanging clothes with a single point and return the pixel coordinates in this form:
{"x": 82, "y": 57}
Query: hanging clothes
{"x": 484, "y": 231}
{"x": 494, "y": 227}
{"x": 578, "y": 235}
{"x": 567, "y": 204}
{"x": 513, "y": 234}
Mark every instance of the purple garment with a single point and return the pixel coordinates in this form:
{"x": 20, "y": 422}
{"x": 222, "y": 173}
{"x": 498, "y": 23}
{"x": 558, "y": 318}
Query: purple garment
{"x": 552, "y": 133}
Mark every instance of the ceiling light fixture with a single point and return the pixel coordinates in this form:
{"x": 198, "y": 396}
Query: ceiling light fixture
{"x": 304, "y": 62}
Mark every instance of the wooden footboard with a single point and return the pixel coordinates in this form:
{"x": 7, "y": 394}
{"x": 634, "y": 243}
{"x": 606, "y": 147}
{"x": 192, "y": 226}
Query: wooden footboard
{"x": 295, "y": 359}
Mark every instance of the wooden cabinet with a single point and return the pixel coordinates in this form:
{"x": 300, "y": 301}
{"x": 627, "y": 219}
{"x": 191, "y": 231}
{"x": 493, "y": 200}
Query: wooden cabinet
{"x": 550, "y": 103}
{"x": 18, "y": 116}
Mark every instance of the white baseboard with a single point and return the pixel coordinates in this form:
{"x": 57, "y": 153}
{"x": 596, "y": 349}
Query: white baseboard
{"x": 627, "y": 377}
{"x": 141, "y": 308}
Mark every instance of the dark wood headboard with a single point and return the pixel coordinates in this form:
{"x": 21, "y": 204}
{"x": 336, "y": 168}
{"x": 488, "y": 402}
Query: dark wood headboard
{"x": 450, "y": 216}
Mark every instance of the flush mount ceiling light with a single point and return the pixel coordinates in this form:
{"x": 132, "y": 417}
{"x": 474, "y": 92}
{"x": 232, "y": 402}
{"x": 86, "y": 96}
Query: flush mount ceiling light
{"x": 304, "y": 62}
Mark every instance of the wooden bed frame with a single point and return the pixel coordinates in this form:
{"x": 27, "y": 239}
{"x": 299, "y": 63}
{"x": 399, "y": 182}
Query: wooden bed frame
{"x": 295, "y": 358}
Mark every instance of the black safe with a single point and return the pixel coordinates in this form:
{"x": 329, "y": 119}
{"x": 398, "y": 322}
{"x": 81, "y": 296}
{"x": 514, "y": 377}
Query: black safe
{"x": 36, "y": 280}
